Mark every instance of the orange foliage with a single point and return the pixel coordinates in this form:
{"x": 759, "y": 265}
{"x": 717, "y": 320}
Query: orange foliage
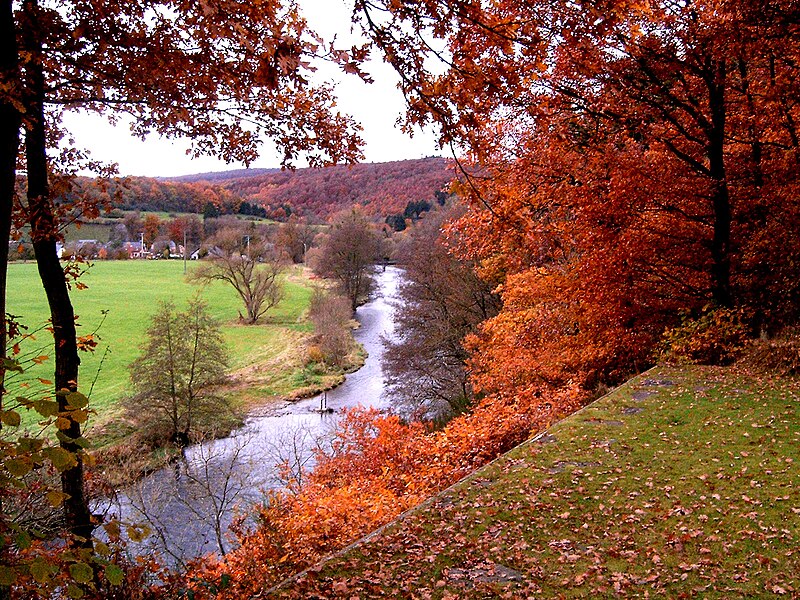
{"x": 634, "y": 162}
{"x": 377, "y": 468}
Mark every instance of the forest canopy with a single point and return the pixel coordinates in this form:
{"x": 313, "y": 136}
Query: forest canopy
{"x": 638, "y": 165}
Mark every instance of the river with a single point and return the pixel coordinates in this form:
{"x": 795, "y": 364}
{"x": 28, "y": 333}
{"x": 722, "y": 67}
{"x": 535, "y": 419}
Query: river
{"x": 188, "y": 506}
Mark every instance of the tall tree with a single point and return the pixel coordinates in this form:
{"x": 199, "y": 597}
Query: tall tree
{"x": 183, "y": 359}
{"x": 44, "y": 234}
{"x": 634, "y": 161}
{"x": 10, "y": 120}
{"x": 347, "y": 254}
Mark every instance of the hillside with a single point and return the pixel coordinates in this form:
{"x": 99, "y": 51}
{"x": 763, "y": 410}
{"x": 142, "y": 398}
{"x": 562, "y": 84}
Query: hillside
{"x": 683, "y": 482}
{"x": 220, "y": 176}
{"x": 380, "y": 188}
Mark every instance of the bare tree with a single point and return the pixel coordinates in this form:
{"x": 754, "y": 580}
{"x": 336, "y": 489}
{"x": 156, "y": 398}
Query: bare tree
{"x": 185, "y": 357}
{"x": 292, "y": 450}
{"x": 347, "y": 254}
{"x": 248, "y": 264}
{"x": 442, "y": 301}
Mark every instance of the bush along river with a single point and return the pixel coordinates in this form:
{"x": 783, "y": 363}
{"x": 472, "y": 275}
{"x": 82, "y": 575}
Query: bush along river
{"x": 188, "y": 506}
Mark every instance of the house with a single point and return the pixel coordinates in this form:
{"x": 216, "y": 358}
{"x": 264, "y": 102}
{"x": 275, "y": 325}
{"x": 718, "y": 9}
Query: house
{"x": 134, "y": 249}
{"x": 163, "y": 248}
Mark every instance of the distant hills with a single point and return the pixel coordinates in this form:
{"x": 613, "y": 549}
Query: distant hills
{"x": 380, "y": 189}
{"x": 220, "y": 176}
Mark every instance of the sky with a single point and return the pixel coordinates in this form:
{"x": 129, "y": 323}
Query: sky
{"x": 375, "y": 106}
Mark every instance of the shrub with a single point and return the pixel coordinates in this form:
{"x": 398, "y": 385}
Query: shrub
{"x": 314, "y": 354}
{"x": 715, "y": 337}
{"x": 331, "y": 315}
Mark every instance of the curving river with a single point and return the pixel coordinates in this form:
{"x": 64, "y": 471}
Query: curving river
{"x": 189, "y": 505}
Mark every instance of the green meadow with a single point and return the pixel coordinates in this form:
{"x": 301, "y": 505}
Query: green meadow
{"x": 129, "y": 293}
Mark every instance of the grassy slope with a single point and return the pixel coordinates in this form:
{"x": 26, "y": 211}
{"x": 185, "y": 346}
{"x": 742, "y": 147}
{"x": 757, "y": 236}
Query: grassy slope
{"x": 683, "y": 482}
{"x": 130, "y": 291}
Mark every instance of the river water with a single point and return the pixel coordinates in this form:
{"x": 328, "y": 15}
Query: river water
{"x": 188, "y": 506}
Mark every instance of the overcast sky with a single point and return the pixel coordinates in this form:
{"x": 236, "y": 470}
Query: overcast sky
{"x": 376, "y": 106}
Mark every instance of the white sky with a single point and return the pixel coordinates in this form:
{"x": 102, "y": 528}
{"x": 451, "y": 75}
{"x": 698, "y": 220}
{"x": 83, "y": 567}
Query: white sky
{"x": 376, "y": 106}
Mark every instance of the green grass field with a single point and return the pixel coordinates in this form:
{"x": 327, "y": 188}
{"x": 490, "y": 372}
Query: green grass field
{"x": 131, "y": 291}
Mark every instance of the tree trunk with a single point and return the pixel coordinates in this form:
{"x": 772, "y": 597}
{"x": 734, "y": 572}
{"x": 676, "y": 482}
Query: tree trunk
{"x": 720, "y": 196}
{"x": 44, "y": 236}
{"x": 10, "y": 121}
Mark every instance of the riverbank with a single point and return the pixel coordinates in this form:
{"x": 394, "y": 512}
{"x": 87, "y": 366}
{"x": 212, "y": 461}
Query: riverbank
{"x": 198, "y": 495}
{"x": 682, "y": 482}
{"x": 269, "y": 360}
{"x": 123, "y": 456}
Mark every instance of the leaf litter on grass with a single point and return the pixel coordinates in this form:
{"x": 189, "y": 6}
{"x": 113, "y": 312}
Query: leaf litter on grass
{"x": 695, "y": 495}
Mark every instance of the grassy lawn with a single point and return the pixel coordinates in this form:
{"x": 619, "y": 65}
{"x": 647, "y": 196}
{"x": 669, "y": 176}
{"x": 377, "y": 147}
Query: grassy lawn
{"x": 681, "y": 483}
{"x": 130, "y": 291}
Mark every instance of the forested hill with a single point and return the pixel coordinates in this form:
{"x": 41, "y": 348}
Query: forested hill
{"x": 380, "y": 188}
{"x": 220, "y": 176}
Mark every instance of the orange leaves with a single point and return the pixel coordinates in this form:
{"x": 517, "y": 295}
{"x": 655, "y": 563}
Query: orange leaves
{"x": 87, "y": 343}
{"x": 376, "y": 468}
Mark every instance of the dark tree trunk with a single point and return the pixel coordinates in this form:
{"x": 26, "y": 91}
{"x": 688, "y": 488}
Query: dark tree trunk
{"x": 9, "y": 149}
{"x": 44, "y": 236}
{"x": 720, "y": 196}
{"x": 10, "y": 121}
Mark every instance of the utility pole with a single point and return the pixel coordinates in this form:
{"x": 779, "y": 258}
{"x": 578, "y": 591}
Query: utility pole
{"x": 184, "y": 251}
{"x": 141, "y": 251}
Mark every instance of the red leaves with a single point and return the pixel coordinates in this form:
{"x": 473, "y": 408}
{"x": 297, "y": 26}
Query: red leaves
{"x": 87, "y": 343}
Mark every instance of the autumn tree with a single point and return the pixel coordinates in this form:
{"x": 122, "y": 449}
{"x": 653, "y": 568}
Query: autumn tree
{"x": 631, "y": 163}
{"x": 10, "y": 120}
{"x": 183, "y": 359}
{"x": 294, "y": 237}
{"x": 151, "y": 228}
{"x": 347, "y": 254}
{"x": 134, "y": 225}
{"x": 250, "y": 265}
{"x": 186, "y": 230}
